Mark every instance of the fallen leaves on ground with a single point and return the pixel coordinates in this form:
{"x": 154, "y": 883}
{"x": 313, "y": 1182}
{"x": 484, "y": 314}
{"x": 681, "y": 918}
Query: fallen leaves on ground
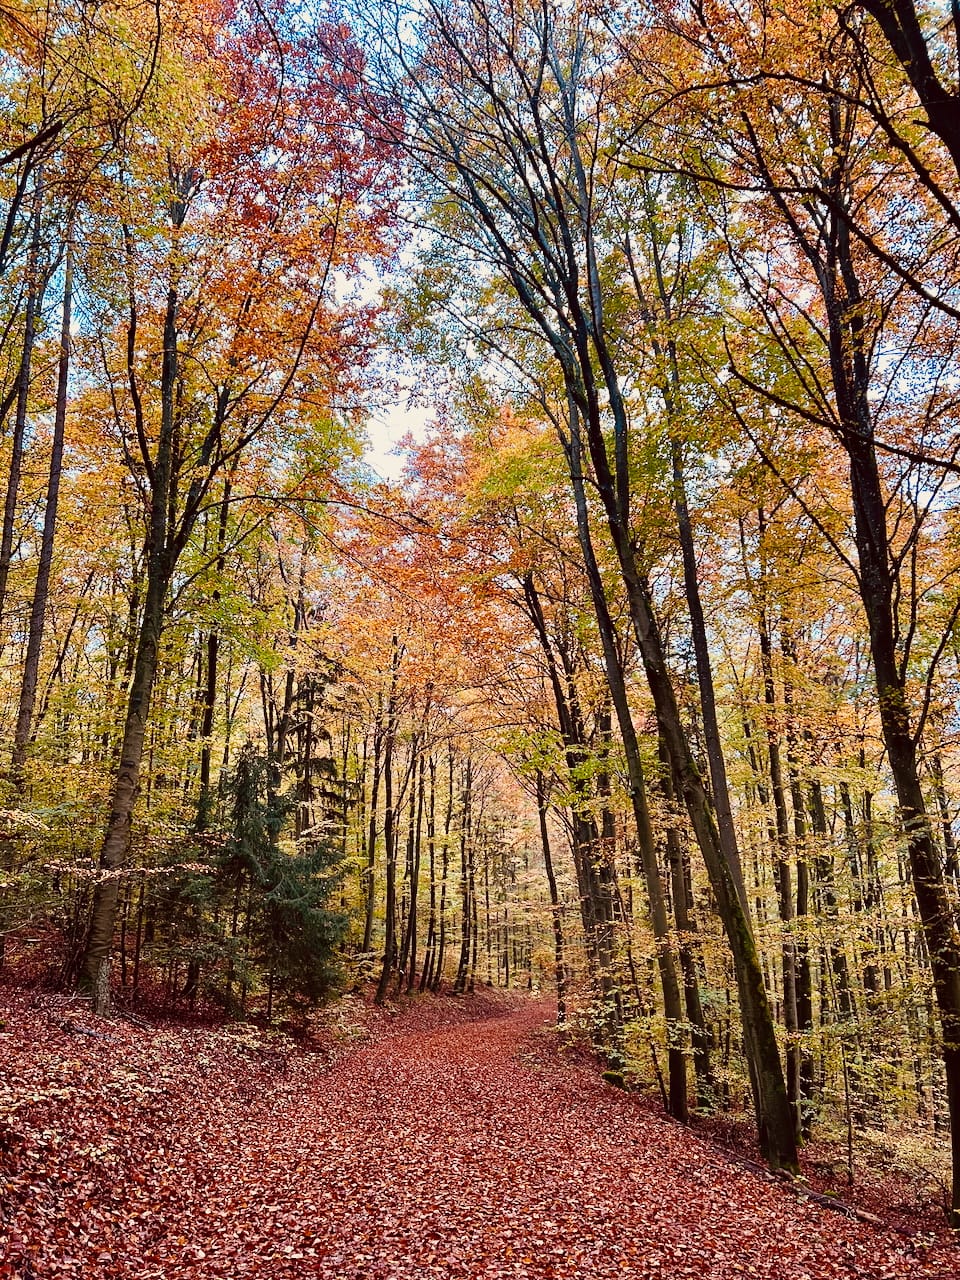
{"x": 453, "y": 1142}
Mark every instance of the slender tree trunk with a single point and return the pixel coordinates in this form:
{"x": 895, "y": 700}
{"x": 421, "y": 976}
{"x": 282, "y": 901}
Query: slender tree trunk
{"x": 62, "y": 650}
{"x": 126, "y": 786}
{"x": 466, "y": 903}
{"x": 415, "y": 879}
{"x": 804, "y": 984}
{"x": 474, "y": 921}
{"x": 389, "y": 831}
{"x": 946, "y": 818}
{"x": 35, "y": 290}
{"x": 670, "y": 985}
{"x": 209, "y": 697}
{"x": 701, "y": 649}
{"x": 599, "y": 924}
{"x": 38, "y": 609}
{"x": 774, "y": 1117}
{"x": 555, "y": 910}
{"x": 369, "y": 871}
{"x": 409, "y": 784}
{"x": 700, "y": 1035}
{"x": 487, "y": 924}
{"x": 426, "y": 976}
{"x": 138, "y": 941}
{"x": 444, "y": 873}
{"x": 782, "y": 869}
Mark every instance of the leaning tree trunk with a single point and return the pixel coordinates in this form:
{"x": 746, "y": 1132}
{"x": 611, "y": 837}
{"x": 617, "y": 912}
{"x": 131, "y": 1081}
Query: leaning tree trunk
{"x": 878, "y": 590}
{"x": 602, "y": 918}
{"x": 774, "y": 1118}
{"x": 937, "y": 914}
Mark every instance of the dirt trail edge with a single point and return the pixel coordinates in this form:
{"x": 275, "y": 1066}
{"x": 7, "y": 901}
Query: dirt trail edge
{"x": 468, "y": 1150}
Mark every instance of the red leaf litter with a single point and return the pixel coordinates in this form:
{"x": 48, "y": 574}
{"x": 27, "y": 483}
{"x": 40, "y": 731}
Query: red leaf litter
{"x": 454, "y": 1141}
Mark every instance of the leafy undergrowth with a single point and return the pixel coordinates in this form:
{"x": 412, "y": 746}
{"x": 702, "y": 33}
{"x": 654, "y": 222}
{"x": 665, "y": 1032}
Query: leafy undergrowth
{"x": 451, "y": 1139}
{"x": 896, "y": 1176}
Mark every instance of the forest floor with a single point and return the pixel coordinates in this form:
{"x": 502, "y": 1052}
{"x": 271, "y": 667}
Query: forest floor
{"x": 452, "y": 1140}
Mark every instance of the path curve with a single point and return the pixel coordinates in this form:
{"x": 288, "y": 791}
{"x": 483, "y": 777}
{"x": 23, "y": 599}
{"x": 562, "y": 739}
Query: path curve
{"x": 474, "y": 1151}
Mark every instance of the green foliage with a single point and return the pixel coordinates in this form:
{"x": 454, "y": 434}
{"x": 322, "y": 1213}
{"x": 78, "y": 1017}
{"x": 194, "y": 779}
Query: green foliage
{"x": 293, "y": 931}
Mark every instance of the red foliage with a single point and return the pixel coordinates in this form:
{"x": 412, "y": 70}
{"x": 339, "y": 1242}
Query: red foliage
{"x": 456, "y": 1142}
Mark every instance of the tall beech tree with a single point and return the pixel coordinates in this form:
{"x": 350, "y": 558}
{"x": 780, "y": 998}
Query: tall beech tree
{"x": 228, "y": 239}
{"x": 505, "y": 115}
{"x": 835, "y": 309}
{"x": 38, "y": 607}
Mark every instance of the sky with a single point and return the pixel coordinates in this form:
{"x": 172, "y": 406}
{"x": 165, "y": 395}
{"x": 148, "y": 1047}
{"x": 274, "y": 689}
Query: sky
{"x": 386, "y": 428}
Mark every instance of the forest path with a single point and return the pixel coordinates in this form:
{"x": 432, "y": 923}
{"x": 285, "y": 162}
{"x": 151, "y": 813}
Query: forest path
{"x": 473, "y": 1150}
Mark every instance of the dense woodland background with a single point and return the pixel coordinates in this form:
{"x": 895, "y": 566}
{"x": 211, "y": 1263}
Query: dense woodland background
{"x": 643, "y": 682}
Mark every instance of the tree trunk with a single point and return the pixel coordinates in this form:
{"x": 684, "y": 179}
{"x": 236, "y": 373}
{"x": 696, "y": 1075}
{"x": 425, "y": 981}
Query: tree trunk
{"x": 781, "y": 853}
{"x": 126, "y": 786}
{"x": 35, "y": 290}
{"x": 774, "y": 1117}
{"x": 389, "y": 831}
{"x": 701, "y": 649}
{"x": 209, "y": 702}
{"x": 429, "y": 958}
{"x": 369, "y": 870}
{"x": 555, "y": 910}
{"x": 160, "y": 559}
{"x": 700, "y": 1035}
{"x": 878, "y": 591}
{"x": 415, "y": 879}
{"x": 444, "y": 873}
{"x": 804, "y": 986}
{"x": 466, "y": 902}
{"x": 38, "y": 609}
{"x": 600, "y": 921}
